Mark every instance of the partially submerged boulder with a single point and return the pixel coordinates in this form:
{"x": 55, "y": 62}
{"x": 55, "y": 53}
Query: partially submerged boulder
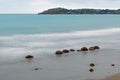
{"x": 65, "y": 51}
{"x": 91, "y": 48}
{"x": 29, "y": 57}
{"x": 72, "y": 50}
{"x": 84, "y": 49}
{"x": 58, "y": 52}
{"x": 96, "y": 47}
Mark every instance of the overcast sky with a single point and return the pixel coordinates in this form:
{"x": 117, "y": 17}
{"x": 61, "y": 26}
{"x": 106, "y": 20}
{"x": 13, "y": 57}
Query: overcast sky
{"x": 35, "y": 6}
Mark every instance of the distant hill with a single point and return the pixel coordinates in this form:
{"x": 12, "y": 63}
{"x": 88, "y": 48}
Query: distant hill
{"x": 79, "y": 11}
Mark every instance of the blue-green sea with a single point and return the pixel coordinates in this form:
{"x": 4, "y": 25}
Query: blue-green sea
{"x": 12, "y": 24}
{"x": 42, "y": 35}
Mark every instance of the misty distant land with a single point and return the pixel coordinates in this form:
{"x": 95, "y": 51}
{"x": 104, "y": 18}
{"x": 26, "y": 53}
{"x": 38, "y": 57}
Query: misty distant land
{"x": 80, "y": 11}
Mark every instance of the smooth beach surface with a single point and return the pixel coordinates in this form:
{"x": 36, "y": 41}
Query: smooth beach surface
{"x": 70, "y": 66}
{"x": 115, "y": 77}
{"x": 42, "y": 35}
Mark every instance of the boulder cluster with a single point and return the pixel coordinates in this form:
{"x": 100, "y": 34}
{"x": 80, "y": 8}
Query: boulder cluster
{"x": 60, "y": 52}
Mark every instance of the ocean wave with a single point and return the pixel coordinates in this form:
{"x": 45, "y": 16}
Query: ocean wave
{"x": 56, "y": 39}
{"x": 80, "y": 33}
{"x": 74, "y": 33}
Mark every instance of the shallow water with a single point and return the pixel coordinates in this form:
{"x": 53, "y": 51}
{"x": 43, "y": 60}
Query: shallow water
{"x": 66, "y": 67}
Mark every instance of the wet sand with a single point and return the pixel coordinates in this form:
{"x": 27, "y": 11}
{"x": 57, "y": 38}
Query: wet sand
{"x": 114, "y": 77}
{"x": 70, "y": 66}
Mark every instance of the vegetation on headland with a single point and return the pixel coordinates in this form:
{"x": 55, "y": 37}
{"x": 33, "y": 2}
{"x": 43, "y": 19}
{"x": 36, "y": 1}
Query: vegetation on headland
{"x": 79, "y": 11}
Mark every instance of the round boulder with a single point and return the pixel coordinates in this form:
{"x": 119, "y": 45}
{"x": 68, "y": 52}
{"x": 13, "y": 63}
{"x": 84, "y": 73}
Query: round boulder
{"x": 36, "y": 68}
{"x": 58, "y": 52}
{"x": 84, "y": 49}
{"x": 92, "y": 64}
{"x": 72, "y": 50}
{"x": 112, "y": 64}
{"x": 29, "y": 57}
{"x": 91, "y": 48}
{"x": 96, "y": 47}
{"x": 65, "y": 51}
{"x": 91, "y": 70}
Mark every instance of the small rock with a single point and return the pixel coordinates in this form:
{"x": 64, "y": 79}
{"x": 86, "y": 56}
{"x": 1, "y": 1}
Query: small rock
{"x": 112, "y": 64}
{"x": 72, "y": 50}
{"x": 78, "y": 50}
{"x": 35, "y": 68}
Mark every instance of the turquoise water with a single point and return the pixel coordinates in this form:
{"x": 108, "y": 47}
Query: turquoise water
{"x": 11, "y": 24}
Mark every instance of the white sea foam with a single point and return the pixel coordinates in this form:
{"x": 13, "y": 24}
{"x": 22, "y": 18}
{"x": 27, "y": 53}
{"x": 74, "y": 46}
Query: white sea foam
{"x": 77, "y": 33}
{"x": 42, "y": 44}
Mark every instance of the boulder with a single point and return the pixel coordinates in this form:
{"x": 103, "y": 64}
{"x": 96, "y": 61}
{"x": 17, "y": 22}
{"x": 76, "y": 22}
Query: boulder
{"x": 91, "y": 70}
{"x": 29, "y": 57}
{"x": 92, "y": 64}
{"x": 112, "y": 64}
{"x": 96, "y": 47}
{"x": 36, "y": 68}
{"x": 84, "y": 49}
{"x": 91, "y": 48}
{"x": 58, "y": 52}
{"x": 65, "y": 51}
{"x": 72, "y": 50}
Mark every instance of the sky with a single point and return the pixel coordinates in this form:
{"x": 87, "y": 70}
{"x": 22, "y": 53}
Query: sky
{"x": 35, "y": 6}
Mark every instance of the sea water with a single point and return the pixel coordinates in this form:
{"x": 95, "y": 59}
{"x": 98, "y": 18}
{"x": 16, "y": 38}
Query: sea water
{"x": 22, "y": 34}
{"x": 42, "y": 35}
